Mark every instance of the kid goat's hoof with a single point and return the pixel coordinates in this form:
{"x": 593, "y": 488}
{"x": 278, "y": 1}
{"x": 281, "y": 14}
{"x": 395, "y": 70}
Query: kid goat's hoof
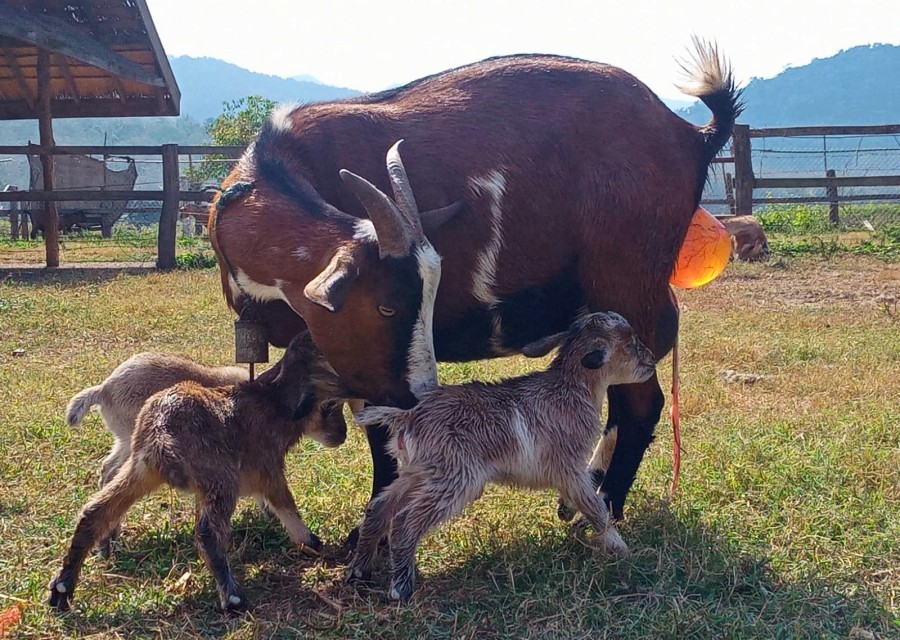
{"x": 401, "y": 594}
{"x": 564, "y": 512}
{"x": 358, "y": 576}
{"x": 60, "y": 595}
{"x": 236, "y": 605}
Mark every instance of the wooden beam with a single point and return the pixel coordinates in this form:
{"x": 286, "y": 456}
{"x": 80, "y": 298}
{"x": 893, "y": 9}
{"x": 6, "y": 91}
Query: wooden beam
{"x": 45, "y": 124}
{"x": 96, "y": 108}
{"x": 27, "y": 91}
{"x": 234, "y": 151}
{"x": 821, "y": 183}
{"x": 162, "y": 60}
{"x": 96, "y": 195}
{"x": 63, "y": 64}
{"x": 168, "y": 217}
{"x": 58, "y": 36}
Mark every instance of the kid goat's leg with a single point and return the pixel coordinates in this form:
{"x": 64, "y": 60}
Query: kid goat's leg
{"x": 379, "y": 513}
{"x": 111, "y": 465}
{"x": 215, "y": 506}
{"x": 98, "y": 517}
{"x": 436, "y": 501}
{"x": 598, "y": 465}
{"x": 281, "y": 501}
{"x": 580, "y": 493}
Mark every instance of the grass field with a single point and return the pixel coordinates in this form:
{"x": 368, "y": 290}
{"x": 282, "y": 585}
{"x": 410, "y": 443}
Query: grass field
{"x": 786, "y": 525}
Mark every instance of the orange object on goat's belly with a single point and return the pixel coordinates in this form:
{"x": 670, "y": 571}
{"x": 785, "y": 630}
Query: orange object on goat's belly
{"x": 704, "y": 253}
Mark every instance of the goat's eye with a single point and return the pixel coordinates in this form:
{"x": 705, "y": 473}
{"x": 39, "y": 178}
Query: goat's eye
{"x": 387, "y": 312}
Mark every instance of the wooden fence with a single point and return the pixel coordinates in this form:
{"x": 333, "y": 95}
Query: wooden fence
{"x": 170, "y": 195}
{"x": 741, "y": 183}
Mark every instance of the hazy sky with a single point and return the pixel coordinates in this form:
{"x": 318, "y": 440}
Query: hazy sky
{"x": 373, "y": 44}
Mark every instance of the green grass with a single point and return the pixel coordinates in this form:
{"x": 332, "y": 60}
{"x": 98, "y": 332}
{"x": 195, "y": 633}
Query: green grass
{"x": 786, "y": 524}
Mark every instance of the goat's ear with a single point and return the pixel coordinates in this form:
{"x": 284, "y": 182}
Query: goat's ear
{"x": 306, "y": 404}
{"x": 543, "y": 346}
{"x": 329, "y": 289}
{"x": 436, "y": 218}
{"x": 595, "y": 359}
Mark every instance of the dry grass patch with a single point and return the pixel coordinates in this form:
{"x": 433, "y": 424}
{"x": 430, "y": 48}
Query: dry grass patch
{"x": 786, "y": 524}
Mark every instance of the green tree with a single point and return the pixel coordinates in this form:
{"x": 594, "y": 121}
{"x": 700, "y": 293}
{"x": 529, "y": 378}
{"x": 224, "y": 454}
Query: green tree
{"x": 238, "y": 124}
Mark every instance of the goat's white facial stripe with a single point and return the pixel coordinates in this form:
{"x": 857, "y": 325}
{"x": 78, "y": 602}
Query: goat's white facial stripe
{"x": 420, "y": 362}
{"x": 492, "y": 185}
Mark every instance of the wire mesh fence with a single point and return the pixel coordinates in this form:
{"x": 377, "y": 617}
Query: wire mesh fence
{"x": 818, "y": 168}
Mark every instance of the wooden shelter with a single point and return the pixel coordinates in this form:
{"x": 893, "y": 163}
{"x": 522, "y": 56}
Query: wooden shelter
{"x": 80, "y": 59}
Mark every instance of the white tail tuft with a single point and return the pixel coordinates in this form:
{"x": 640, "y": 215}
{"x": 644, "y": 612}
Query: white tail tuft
{"x": 706, "y": 72}
{"x": 81, "y": 403}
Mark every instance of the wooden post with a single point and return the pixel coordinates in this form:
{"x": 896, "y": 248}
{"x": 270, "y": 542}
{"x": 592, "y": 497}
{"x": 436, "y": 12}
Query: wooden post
{"x": 729, "y": 193}
{"x": 168, "y": 217}
{"x": 45, "y": 124}
{"x": 743, "y": 170}
{"x": 833, "y": 210}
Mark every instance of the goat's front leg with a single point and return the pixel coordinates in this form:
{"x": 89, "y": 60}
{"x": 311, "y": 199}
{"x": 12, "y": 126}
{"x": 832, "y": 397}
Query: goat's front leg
{"x": 214, "y": 510}
{"x": 598, "y": 465}
{"x": 111, "y": 465}
{"x": 281, "y": 500}
{"x": 579, "y": 491}
{"x": 384, "y": 470}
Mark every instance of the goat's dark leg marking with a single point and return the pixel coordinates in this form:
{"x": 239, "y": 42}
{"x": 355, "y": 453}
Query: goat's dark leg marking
{"x": 634, "y": 409}
{"x": 215, "y": 508}
{"x": 98, "y": 517}
{"x": 281, "y": 500}
{"x": 384, "y": 470}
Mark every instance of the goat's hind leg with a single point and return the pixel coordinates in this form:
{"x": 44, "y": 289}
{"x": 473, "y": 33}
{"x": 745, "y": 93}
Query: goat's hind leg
{"x": 430, "y": 504}
{"x": 215, "y": 506}
{"x": 376, "y": 521}
{"x": 111, "y": 465}
{"x": 101, "y": 514}
{"x": 580, "y": 493}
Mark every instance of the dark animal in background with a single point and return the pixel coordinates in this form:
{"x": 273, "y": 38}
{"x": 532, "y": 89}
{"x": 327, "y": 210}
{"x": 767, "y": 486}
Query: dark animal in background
{"x": 533, "y": 431}
{"x": 573, "y": 187}
{"x": 218, "y": 443}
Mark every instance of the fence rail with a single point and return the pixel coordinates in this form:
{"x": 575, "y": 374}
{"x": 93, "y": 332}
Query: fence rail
{"x": 738, "y": 192}
{"x": 805, "y": 163}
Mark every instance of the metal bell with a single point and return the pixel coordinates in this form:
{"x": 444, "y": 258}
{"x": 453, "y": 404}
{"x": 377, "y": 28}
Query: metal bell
{"x": 250, "y": 344}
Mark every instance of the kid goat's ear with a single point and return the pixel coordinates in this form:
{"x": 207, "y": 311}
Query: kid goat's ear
{"x": 306, "y": 404}
{"x": 595, "y": 359}
{"x": 542, "y": 347}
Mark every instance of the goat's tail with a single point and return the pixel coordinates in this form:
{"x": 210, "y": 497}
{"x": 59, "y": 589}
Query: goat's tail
{"x": 81, "y": 403}
{"x": 709, "y": 77}
{"x": 390, "y": 417}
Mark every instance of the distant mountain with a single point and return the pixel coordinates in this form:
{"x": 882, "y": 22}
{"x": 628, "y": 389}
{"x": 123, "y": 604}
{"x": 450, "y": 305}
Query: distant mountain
{"x": 854, "y": 87}
{"x": 305, "y": 77}
{"x": 206, "y": 83}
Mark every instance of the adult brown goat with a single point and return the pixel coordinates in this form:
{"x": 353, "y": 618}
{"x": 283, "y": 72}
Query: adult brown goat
{"x": 575, "y": 186}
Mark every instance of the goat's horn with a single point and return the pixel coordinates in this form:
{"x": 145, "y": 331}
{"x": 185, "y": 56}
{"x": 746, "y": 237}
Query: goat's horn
{"x": 403, "y": 194}
{"x": 394, "y": 237}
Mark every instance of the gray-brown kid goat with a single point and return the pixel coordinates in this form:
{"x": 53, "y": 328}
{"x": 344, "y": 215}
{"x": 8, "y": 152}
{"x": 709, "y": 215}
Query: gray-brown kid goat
{"x": 534, "y": 431}
{"x": 218, "y": 443}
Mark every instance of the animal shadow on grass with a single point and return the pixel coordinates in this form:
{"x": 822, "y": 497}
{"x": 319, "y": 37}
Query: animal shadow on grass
{"x": 265, "y": 563}
{"x": 681, "y": 580}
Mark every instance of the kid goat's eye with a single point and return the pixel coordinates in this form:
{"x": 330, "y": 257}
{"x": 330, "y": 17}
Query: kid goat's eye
{"x": 385, "y": 311}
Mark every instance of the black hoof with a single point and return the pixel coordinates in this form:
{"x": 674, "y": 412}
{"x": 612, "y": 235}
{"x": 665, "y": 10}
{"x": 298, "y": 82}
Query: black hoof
{"x": 401, "y": 595}
{"x": 352, "y": 539}
{"x": 315, "y": 543}
{"x": 565, "y": 512}
{"x": 60, "y": 595}
{"x": 358, "y": 576}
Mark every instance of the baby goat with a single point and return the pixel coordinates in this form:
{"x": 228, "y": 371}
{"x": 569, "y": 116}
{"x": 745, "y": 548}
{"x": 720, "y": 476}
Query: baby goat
{"x": 533, "y": 431}
{"x": 219, "y": 443}
{"x": 125, "y": 391}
